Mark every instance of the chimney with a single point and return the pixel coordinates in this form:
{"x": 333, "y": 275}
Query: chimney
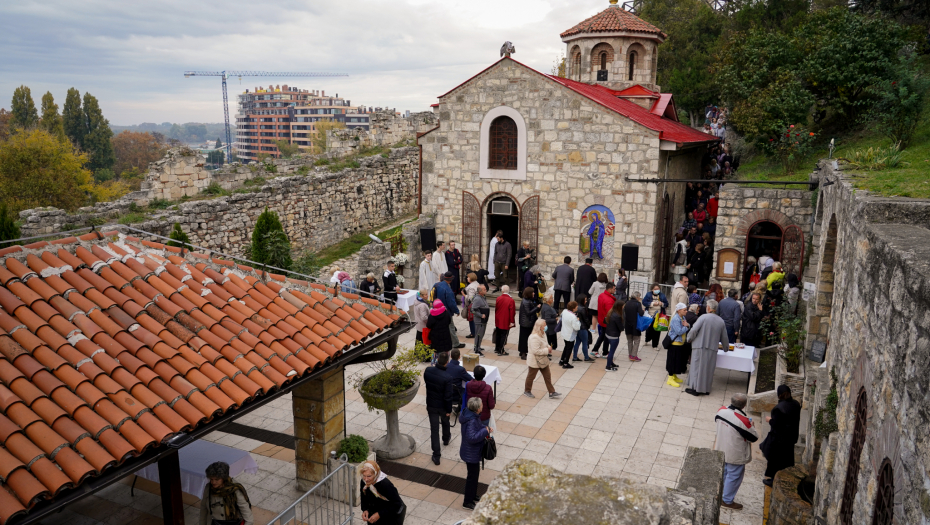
{"x": 284, "y": 88}
{"x": 323, "y": 94}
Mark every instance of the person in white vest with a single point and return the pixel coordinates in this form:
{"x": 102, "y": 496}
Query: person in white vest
{"x": 427, "y": 276}
{"x": 735, "y": 434}
{"x": 491, "y": 256}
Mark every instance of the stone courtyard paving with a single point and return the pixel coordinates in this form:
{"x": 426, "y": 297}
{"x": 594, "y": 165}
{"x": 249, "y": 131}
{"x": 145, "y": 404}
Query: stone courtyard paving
{"x": 626, "y": 424}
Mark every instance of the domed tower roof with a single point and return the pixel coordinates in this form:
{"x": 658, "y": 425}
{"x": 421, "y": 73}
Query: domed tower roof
{"x": 614, "y": 19}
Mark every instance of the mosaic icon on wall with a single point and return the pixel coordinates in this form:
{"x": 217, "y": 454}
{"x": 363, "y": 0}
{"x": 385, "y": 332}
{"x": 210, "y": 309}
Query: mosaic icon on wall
{"x": 597, "y": 231}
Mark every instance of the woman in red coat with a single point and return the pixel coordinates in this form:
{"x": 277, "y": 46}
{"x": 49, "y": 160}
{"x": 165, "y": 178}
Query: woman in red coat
{"x": 505, "y": 311}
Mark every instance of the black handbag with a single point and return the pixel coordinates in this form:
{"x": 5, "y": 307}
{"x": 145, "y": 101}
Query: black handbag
{"x": 667, "y": 342}
{"x": 488, "y": 450}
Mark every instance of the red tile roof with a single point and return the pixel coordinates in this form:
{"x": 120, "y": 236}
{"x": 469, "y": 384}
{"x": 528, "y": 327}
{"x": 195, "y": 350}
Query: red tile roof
{"x": 668, "y": 129}
{"x": 614, "y": 19}
{"x": 109, "y": 347}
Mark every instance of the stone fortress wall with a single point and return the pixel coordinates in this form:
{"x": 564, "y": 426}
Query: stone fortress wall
{"x": 317, "y": 209}
{"x": 386, "y": 128}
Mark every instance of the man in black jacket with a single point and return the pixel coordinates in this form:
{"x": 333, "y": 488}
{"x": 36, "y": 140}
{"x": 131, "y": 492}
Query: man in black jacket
{"x": 457, "y": 372}
{"x": 584, "y": 278}
{"x": 390, "y": 283}
{"x": 439, "y": 398}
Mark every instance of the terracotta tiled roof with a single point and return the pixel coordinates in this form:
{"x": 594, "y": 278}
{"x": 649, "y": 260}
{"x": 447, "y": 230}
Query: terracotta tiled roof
{"x": 109, "y": 347}
{"x": 614, "y": 19}
{"x": 668, "y": 129}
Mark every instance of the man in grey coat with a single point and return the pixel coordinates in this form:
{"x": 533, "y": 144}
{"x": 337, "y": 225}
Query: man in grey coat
{"x": 481, "y": 312}
{"x": 563, "y": 277}
{"x": 708, "y": 332}
{"x": 503, "y": 253}
{"x": 731, "y": 313}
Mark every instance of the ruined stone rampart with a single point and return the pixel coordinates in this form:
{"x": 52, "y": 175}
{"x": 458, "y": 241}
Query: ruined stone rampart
{"x": 317, "y": 209}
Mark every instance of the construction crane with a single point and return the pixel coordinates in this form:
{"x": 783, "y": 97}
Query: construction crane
{"x": 226, "y": 74}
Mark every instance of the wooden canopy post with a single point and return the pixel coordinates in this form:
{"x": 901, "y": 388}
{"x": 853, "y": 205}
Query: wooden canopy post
{"x": 169, "y": 480}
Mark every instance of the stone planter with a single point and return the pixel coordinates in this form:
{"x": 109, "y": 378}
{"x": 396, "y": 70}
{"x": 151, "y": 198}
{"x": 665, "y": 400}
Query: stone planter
{"x": 392, "y": 445}
{"x": 787, "y": 507}
{"x": 794, "y": 381}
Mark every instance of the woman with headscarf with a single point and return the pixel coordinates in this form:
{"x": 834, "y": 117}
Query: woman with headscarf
{"x": 438, "y": 324}
{"x": 785, "y": 423}
{"x": 676, "y": 360}
{"x": 346, "y": 284}
{"x": 531, "y": 280}
{"x": 380, "y": 501}
{"x": 224, "y": 502}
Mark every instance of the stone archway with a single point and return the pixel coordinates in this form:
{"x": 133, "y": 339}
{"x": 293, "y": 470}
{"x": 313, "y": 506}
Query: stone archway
{"x": 779, "y": 218}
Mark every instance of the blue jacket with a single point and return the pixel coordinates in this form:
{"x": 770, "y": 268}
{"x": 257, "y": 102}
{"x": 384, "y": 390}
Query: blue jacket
{"x": 458, "y": 374}
{"x": 676, "y": 329}
{"x": 444, "y": 294}
{"x": 473, "y": 434}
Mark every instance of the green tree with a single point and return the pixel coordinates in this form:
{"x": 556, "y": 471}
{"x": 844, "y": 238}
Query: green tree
{"x": 8, "y": 228}
{"x": 72, "y": 117}
{"x": 219, "y": 144}
{"x": 37, "y": 169}
{"x": 319, "y": 142}
{"x": 900, "y": 101}
{"x": 694, "y": 34}
{"x": 97, "y": 142}
{"x": 24, "y": 109}
{"x": 179, "y": 239}
{"x": 195, "y": 132}
{"x": 286, "y": 149}
{"x": 51, "y": 120}
{"x": 266, "y": 245}
{"x": 216, "y": 156}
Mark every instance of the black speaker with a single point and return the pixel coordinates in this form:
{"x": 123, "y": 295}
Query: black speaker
{"x": 602, "y": 77}
{"x": 428, "y": 239}
{"x": 629, "y": 257}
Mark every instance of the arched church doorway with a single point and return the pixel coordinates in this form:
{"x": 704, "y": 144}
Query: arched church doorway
{"x": 503, "y": 214}
{"x": 781, "y": 244}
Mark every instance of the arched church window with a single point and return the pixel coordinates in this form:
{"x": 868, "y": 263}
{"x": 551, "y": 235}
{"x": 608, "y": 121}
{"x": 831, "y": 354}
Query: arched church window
{"x": 855, "y": 451}
{"x": 503, "y": 144}
{"x": 632, "y": 62}
{"x": 883, "y": 514}
{"x": 603, "y": 60}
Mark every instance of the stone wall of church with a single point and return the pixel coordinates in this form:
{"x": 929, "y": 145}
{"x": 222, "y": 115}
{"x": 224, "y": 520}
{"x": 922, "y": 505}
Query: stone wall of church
{"x": 874, "y": 275}
{"x": 740, "y": 208}
{"x": 578, "y": 155}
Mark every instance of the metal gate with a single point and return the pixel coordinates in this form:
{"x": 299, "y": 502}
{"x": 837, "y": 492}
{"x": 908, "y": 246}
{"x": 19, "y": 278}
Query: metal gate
{"x": 529, "y": 223}
{"x": 329, "y": 502}
{"x": 471, "y": 228}
{"x": 792, "y": 251}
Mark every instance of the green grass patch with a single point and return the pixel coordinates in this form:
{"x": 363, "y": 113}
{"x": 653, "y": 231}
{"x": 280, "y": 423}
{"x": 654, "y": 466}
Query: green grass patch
{"x": 132, "y": 218}
{"x": 347, "y": 247}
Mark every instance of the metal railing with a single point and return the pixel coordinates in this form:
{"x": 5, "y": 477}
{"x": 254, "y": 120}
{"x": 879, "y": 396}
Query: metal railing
{"x": 329, "y": 502}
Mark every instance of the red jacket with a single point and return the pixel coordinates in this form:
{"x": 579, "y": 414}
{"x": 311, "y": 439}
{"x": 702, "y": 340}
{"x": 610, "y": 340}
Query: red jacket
{"x": 712, "y": 206}
{"x": 505, "y": 312}
{"x": 605, "y": 302}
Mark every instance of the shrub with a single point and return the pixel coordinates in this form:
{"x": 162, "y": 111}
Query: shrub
{"x": 8, "y": 228}
{"x": 355, "y": 447}
{"x": 159, "y": 204}
{"x": 179, "y": 239}
{"x": 307, "y": 264}
{"x": 215, "y": 189}
{"x": 789, "y": 146}
{"x": 266, "y": 223}
{"x": 899, "y": 100}
{"x": 875, "y": 158}
{"x": 303, "y": 170}
{"x": 395, "y": 375}
{"x": 789, "y": 325}
{"x": 278, "y": 250}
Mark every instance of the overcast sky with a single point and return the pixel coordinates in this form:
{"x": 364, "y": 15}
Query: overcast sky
{"x": 132, "y": 54}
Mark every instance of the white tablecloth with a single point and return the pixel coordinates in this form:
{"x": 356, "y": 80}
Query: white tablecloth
{"x": 493, "y": 375}
{"x": 194, "y": 460}
{"x": 740, "y": 359}
{"x": 405, "y": 301}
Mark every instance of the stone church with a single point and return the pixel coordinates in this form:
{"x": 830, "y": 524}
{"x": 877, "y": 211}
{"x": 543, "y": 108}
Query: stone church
{"x": 554, "y": 161}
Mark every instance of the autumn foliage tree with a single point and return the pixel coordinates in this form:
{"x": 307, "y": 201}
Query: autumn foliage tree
{"x": 37, "y": 169}
{"x": 135, "y": 150}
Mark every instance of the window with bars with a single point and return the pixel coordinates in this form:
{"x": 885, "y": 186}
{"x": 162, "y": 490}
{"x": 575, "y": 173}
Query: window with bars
{"x": 883, "y": 514}
{"x": 503, "y": 144}
{"x": 855, "y": 451}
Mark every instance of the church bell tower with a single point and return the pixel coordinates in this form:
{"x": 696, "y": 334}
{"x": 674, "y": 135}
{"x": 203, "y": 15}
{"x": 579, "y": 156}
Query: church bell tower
{"x": 613, "y": 48}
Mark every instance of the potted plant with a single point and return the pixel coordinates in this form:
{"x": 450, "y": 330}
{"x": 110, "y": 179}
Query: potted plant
{"x": 393, "y": 385}
{"x": 786, "y": 325}
{"x": 356, "y": 451}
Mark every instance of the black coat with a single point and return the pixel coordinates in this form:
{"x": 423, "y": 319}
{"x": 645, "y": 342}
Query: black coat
{"x": 371, "y": 289}
{"x": 439, "y": 334}
{"x": 528, "y": 310}
{"x": 440, "y": 393}
{"x": 584, "y": 316}
{"x": 387, "y": 510}
{"x": 614, "y": 325}
{"x": 750, "y": 332}
{"x": 631, "y": 312}
{"x": 778, "y": 447}
{"x": 584, "y": 278}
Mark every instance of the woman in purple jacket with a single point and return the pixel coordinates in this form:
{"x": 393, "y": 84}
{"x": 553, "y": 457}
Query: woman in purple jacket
{"x": 474, "y": 433}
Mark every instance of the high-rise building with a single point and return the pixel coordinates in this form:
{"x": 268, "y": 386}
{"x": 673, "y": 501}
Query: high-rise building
{"x": 275, "y": 113}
